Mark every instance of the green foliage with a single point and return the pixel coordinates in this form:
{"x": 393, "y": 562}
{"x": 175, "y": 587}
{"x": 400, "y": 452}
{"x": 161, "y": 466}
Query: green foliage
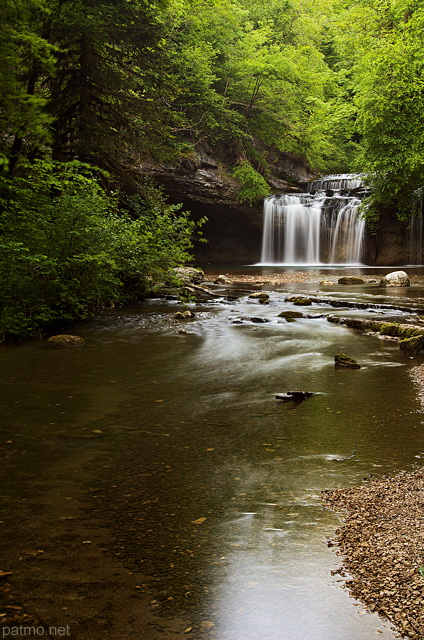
{"x": 66, "y": 249}
{"x": 253, "y": 186}
{"x": 387, "y": 68}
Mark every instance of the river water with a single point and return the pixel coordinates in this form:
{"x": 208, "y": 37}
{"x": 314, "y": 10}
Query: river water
{"x": 208, "y": 486}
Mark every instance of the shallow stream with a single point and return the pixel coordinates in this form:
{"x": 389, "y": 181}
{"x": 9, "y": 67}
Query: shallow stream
{"x": 208, "y": 485}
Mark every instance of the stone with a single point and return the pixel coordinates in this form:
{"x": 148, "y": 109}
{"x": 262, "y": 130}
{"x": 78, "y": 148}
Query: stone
{"x": 299, "y": 300}
{"x": 412, "y": 346}
{"x": 184, "y": 315}
{"x": 346, "y": 362}
{"x": 290, "y": 315}
{"x": 259, "y": 295}
{"x": 296, "y": 396}
{"x": 326, "y": 283}
{"x": 395, "y": 279}
{"x": 351, "y": 280}
{"x": 63, "y": 341}
{"x": 189, "y": 274}
{"x": 221, "y": 279}
{"x": 256, "y": 319}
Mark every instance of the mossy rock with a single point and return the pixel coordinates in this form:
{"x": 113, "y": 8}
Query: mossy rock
{"x": 399, "y": 331}
{"x": 184, "y": 315}
{"x": 259, "y": 295}
{"x": 412, "y": 346}
{"x": 64, "y": 341}
{"x": 299, "y": 300}
{"x": 346, "y": 362}
{"x": 351, "y": 280}
{"x": 290, "y": 315}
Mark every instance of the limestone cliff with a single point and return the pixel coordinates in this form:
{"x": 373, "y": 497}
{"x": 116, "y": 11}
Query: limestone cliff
{"x": 205, "y": 186}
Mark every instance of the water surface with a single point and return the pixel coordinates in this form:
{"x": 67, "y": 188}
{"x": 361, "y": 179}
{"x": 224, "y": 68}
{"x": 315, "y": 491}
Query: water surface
{"x": 205, "y": 481}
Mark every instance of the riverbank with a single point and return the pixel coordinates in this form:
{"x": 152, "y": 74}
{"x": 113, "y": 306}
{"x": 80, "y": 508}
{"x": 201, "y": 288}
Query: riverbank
{"x": 381, "y": 542}
{"x": 293, "y": 276}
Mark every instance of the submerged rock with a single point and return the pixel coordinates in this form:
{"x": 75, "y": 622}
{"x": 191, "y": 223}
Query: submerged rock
{"x": 346, "y": 362}
{"x": 65, "y": 340}
{"x": 351, "y": 280}
{"x": 296, "y": 396}
{"x": 395, "y": 279}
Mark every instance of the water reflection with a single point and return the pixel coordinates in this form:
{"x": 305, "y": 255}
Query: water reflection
{"x": 207, "y": 483}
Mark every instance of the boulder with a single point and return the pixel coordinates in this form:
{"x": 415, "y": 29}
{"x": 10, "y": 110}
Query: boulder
{"x": 395, "y": 279}
{"x": 64, "y": 341}
{"x": 299, "y": 300}
{"x": 412, "y": 346}
{"x": 351, "y": 280}
{"x": 290, "y": 315}
{"x": 184, "y": 315}
{"x": 259, "y": 295}
{"x": 345, "y": 362}
{"x": 189, "y": 274}
{"x": 222, "y": 280}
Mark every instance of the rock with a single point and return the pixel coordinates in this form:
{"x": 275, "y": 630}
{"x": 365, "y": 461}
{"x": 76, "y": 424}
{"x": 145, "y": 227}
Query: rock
{"x": 296, "y": 396}
{"x": 412, "y": 346}
{"x": 395, "y": 279}
{"x": 326, "y": 283}
{"x": 189, "y": 274}
{"x": 299, "y": 300}
{"x": 346, "y": 362}
{"x": 351, "y": 280}
{"x": 222, "y": 280}
{"x": 64, "y": 340}
{"x": 184, "y": 315}
{"x": 257, "y": 319}
{"x": 259, "y": 295}
{"x": 290, "y": 315}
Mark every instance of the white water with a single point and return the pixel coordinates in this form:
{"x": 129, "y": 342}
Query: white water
{"x": 314, "y": 228}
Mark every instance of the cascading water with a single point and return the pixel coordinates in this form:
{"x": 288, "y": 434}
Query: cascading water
{"x": 322, "y": 226}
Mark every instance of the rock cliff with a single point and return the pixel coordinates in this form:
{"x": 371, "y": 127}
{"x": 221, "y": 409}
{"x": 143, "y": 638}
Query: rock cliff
{"x": 205, "y": 186}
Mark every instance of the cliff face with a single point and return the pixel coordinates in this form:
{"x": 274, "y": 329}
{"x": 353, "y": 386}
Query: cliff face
{"x": 206, "y": 188}
{"x": 390, "y": 245}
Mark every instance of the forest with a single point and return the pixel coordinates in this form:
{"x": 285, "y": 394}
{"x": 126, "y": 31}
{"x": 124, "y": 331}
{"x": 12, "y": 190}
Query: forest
{"x": 92, "y": 88}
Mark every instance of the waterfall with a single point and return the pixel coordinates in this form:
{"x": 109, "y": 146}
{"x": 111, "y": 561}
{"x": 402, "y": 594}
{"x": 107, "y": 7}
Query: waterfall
{"x": 321, "y": 226}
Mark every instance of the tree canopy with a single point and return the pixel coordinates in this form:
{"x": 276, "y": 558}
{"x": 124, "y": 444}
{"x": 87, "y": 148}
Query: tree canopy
{"x": 108, "y": 84}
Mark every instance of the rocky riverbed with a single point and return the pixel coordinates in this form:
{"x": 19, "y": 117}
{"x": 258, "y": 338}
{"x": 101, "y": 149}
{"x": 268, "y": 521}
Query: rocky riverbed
{"x": 381, "y": 543}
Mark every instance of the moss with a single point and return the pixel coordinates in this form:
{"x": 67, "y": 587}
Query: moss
{"x": 346, "y": 362}
{"x": 64, "y": 341}
{"x": 351, "y": 280}
{"x": 412, "y": 345}
{"x": 299, "y": 300}
{"x": 290, "y": 315}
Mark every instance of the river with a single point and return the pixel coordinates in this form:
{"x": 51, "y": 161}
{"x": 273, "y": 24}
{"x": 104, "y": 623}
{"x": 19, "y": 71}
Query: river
{"x": 153, "y": 487}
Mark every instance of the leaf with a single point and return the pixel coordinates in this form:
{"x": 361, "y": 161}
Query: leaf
{"x": 198, "y": 521}
{"x": 421, "y": 570}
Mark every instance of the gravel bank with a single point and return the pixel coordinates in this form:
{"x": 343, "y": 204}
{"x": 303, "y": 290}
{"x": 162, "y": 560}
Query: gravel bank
{"x": 382, "y": 544}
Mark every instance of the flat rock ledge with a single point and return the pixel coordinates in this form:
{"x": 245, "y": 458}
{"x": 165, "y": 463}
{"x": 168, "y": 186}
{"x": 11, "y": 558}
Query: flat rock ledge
{"x": 410, "y": 337}
{"x": 381, "y": 542}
